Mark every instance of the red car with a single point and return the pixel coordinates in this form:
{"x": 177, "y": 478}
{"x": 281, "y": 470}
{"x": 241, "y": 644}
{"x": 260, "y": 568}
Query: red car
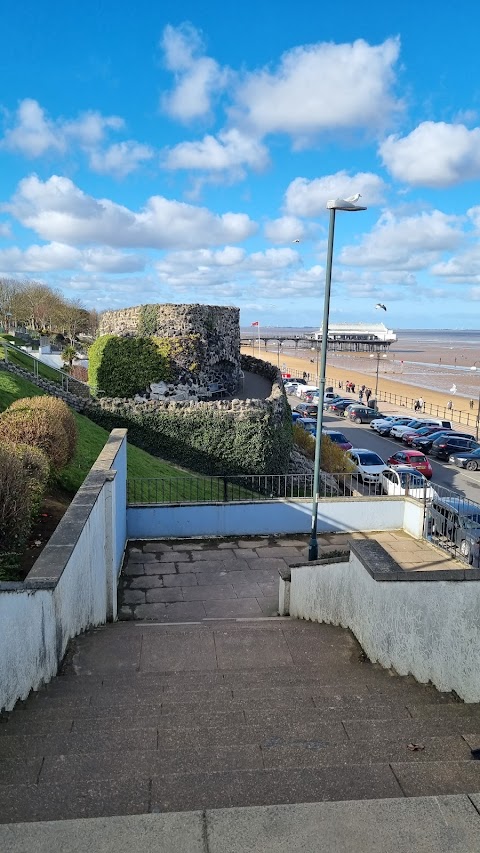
{"x": 414, "y": 459}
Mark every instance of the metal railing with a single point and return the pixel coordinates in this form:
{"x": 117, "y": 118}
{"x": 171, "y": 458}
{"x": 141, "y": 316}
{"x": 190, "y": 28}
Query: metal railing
{"x": 39, "y": 369}
{"x": 452, "y": 522}
{"x": 246, "y": 488}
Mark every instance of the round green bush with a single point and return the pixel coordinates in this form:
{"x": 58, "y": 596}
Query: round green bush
{"x": 37, "y": 428}
{"x": 15, "y": 501}
{"x": 57, "y": 410}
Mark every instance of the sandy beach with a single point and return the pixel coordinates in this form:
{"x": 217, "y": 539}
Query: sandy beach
{"x": 388, "y": 382}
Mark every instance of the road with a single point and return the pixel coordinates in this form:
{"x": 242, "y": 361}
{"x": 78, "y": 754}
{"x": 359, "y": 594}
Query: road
{"x": 361, "y": 435}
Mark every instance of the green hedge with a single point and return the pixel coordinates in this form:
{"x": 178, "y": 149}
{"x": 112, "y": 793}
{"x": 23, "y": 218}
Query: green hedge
{"x": 122, "y": 367}
{"x": 206, "y": 439}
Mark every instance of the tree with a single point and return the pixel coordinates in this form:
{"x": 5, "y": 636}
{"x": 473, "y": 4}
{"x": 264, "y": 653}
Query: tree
{"x": 69, "y": 355}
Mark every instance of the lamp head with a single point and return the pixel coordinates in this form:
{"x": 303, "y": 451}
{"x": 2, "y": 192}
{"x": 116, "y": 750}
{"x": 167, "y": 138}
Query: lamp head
{"x": 348, "y": 204}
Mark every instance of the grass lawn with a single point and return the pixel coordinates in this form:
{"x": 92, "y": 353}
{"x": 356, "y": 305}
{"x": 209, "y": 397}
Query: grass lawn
{"x": 91, "y": 440}
{"x": 23, "y": 359}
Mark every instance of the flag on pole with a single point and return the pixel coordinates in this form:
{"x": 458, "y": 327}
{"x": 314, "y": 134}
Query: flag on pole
{"x": 255, "y": 323}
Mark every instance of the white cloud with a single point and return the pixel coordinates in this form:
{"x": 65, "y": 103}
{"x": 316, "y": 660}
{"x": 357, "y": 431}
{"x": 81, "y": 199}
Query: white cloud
{"x": 35, "y": 134}
{"x": 231, "y": 150}
{"x": 5, "y": 229}
{"x": 197, "y": 77}
{"x": 322, "y": 87}
{"x": 308, "y": 198}
{"x": 59, "y": 256}
{"x": 406, "y": 243}
{"x": 120, "y": 159}
{"x": 284, "y": 230}
{"x": 58, "y": 210}
{"x": 462, "y": 268}
{"x": 435, "y": 154}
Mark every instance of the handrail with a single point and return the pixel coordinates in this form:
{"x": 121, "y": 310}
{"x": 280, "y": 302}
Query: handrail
{"x": 64, "y": 379}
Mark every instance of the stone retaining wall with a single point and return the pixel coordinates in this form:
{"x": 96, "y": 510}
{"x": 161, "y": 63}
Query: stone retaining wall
{"x": 76, "y": 402}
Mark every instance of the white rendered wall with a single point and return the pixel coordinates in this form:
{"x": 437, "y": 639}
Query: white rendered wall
{"x": 430, "y": 629}
{"x": 71, "y": 587}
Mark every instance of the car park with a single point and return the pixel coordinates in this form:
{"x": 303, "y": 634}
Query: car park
{"x": 470, "y": 461}
{"x": 368, "y": 465}
{"x": 405, "y": 480}
{"x": 361, "y": 414}
{"x": 424, "y": 443}
{"x": 448, "y": 445}
{"x": 414, "y": 459}
{"x": 338, "y": 438}
{"x": 306, "y": 410}
{"x": 458, "y": 521}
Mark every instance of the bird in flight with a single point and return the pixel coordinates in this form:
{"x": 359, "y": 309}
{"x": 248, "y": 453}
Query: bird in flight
{"x": 380, "y": 305}
{"x": 295, "y": 241}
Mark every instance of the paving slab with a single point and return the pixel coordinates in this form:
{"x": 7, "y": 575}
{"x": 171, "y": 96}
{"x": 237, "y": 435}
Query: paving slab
{"x": 265, "y": 787}
{"x": 73, "y": 800}
{"x": 148, "y": 833}
{"x": 187, "y": 579}
{"x": 251, "y": 649}
{"x": 433, "y": 778}
{"x": 146, "y": 582}
{"x": 423, "y": 825}
{"x": 412, "y": 730}
{"x": 87, "y": 736}
{"x": 175, "y": 652}
{"x": 209, "y": 593}
{"x": 160, "y": 568}
{"x": 232, "y": 608}
{"x": 170, "y": 594}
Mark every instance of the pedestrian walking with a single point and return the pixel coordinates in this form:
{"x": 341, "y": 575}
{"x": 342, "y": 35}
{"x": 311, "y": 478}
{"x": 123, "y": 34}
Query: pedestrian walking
{"x": 362, "y": 387}
{"x": 472, "y": 403}
{"x": 368, "y": 394}
{"x": 449, "y": 405}
{"x": 352, "y": 387}
{"x": 360, "y": 395}
{"x": 416, "y": 407}
{"x": 421, "y": 403}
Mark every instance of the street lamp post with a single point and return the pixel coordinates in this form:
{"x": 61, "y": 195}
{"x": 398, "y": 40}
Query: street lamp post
{"x": 332, "y": 205}
{"x": 474, "y": 367}
{"x": 378, "y": 356}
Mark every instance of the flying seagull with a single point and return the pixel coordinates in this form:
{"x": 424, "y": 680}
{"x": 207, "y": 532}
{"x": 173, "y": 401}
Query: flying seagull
{"x": 380, "y": 305}
{"x": 295, "y": 241}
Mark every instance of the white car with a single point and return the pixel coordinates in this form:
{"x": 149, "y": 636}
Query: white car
{"x": 307, "y": 389}
{"x": 398, "y": 430}
{"x": 387, "y": 419}
{"x": 368, "y": 465}
{"x": 403, "y": 479}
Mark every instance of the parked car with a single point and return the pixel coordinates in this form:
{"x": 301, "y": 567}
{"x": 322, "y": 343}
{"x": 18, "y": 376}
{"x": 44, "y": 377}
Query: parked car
{"x": 384, "y": 427}
{"x": 422, "y": 432}
{"x": 307, "y": 410}
{"x": 416, "y": 423}
{"x": 424, "y": 443}
{"x": 448, "y": 445}
{"x": 361, "y": 414}
{"x": 470, "y": 461}
{"x": 307, "y": 389}
{"x": 403, "y": 480}
{"x": 386, "y": 419}
{"x": 338, "y": 438}
{"x": 308, "y": 424}
{"x": 414, "y": 459}
{"x": 368, "y": 465}
{"x": 457, "y": 520}
{"x": 338, "y": 407}
{"x": 347, "y": 409}
{"x": 295, "y": 416}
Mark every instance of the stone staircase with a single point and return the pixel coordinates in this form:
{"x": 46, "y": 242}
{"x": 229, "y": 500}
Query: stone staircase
{"x": 169, "y": 718}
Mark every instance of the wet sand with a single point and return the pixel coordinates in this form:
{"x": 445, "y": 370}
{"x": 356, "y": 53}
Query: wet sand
{"x": 393, "y": 378}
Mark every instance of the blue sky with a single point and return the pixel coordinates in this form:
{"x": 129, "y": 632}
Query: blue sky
{"x": 174, "y": 154}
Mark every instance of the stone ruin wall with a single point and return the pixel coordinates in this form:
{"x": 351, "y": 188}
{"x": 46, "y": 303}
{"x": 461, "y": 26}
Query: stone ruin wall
{"x": 218, "y": 328}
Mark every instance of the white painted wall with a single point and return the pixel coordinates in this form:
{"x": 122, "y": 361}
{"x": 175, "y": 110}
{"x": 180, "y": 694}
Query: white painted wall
{"x": 430, "y": 629}
{"x": 263, "y": 518}
{"x": 72, "y": 586}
